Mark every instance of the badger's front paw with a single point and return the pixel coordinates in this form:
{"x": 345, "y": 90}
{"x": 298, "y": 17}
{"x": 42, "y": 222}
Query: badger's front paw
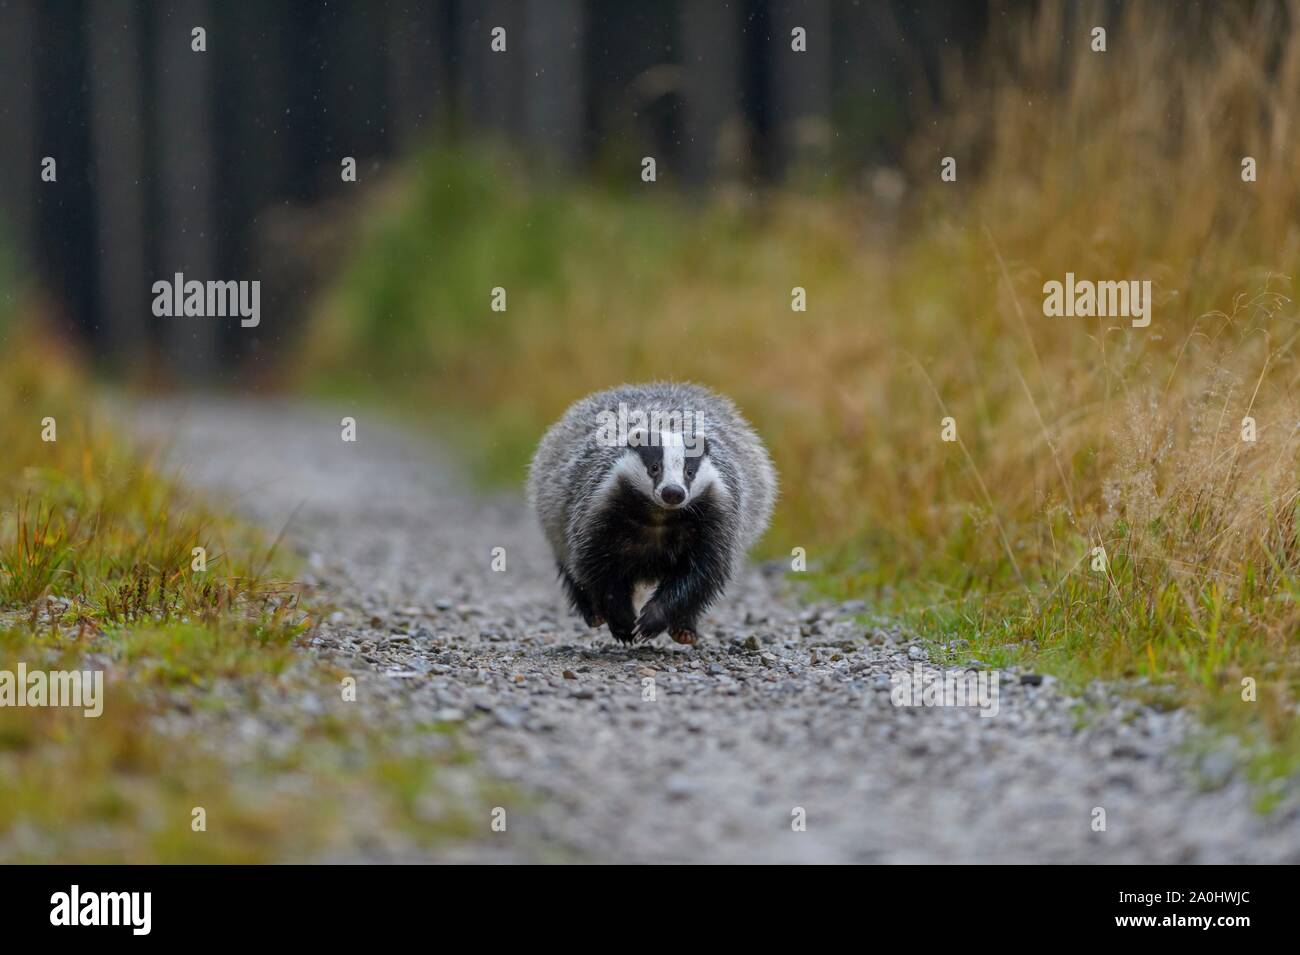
{"x": 582, "y": 602}
{"x": 653, "y": 620}
{"x": 618, "y": 612}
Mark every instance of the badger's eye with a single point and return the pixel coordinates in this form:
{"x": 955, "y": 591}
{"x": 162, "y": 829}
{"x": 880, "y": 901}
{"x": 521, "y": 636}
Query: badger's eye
{"x": 690, "y": 473}
{"x": 654, "y": 470}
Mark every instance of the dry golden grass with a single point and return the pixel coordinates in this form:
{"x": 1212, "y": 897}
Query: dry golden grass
{"x": 1075, "y": 433}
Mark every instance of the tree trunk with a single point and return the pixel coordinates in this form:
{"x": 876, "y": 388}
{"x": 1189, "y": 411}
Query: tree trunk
{"x": 417, "y": 76}
{"x": 185, "y": 141}
{"x": 801, "y": 87}
{"x": 488, "y": 78}
{"x": 714, "y": 119}
{"x": 19, "y": 162}
{"x": 118, "y": 143}
{"x": 553, "y": 79}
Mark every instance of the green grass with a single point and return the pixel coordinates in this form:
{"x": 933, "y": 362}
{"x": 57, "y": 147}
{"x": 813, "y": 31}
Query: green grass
{"x": 1073, "y": 434}
{"x": 97, "y": 572}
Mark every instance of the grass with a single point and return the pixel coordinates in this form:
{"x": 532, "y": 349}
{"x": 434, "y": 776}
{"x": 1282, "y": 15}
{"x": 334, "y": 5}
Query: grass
{"x": 94, "y": 525}
{"x": 1073, "y": 433}
{"x": 97, "y": 572}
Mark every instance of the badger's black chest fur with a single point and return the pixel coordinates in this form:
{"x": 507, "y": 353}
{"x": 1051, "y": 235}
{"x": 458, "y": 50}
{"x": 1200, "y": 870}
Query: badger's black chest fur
{"x": 651, "y": 541}
{"x": 635, "y": 541}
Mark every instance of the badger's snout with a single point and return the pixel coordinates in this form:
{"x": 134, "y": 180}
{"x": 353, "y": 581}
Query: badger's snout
{"x": 672, "y": 494}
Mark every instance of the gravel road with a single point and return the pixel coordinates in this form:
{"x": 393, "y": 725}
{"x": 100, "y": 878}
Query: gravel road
{"x": 781, "y": 713}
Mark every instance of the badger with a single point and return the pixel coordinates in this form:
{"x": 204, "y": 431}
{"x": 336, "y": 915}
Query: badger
{"x": 649, "y": 496}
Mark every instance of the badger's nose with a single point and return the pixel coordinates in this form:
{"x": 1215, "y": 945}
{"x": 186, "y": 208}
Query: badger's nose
{"x": 672, "y": 494}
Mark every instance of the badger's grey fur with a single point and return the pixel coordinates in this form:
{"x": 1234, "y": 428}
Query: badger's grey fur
{"x": 671, "y": 501}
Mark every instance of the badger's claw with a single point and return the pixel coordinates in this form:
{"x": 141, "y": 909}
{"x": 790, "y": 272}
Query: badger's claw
{"x": 652, "y": 622}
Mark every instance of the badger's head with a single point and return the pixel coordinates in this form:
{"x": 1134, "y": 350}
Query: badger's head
{"x": 669, "y": 468}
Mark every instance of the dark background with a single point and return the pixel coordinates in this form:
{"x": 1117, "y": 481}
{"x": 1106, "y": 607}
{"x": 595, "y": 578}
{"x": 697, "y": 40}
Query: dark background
{"x": 223, "y": 164}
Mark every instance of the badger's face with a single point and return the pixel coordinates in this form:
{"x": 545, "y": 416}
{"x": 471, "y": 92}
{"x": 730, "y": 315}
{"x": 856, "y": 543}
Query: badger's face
{"x": 670, "y": 471}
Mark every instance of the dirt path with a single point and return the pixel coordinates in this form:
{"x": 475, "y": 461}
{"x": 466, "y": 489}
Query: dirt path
{"x": 781, "y": 706}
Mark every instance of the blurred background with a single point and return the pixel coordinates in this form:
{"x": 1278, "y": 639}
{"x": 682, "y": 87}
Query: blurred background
{"x": 226, "y": 164}
{"x": 1118, "y": 141}
{"x": 798, "y": 250}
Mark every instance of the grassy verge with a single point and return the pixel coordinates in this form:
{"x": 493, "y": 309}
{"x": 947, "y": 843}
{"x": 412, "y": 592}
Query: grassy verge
{"x": 206, "y": 704}
{"x": 1073, "y": 434}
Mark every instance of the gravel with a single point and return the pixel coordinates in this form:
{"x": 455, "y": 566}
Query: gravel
{"x": 710, "y": 753}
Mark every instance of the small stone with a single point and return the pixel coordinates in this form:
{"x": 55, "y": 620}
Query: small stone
{"x": 570, "y": 675}
{"x": 508, "y": 717}
{"x": 678, "y": 787}
{"x": 1216, "y": 769}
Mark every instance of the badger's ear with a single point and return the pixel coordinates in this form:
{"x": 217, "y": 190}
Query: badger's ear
{"x": 638, "y": 438}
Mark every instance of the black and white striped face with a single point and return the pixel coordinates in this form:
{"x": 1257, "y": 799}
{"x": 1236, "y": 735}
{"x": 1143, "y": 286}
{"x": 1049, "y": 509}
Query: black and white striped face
{"x": 670, "y": 471}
